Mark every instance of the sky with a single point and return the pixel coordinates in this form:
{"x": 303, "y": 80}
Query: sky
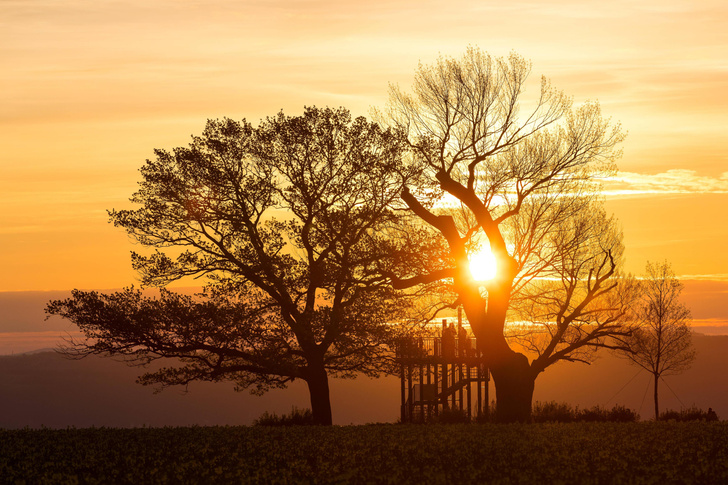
{"x": 89, "y": 88}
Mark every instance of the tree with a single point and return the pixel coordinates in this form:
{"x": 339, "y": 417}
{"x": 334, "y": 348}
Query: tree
{"x": 280, "y": 221}
{"x": 524, "y": 183}
{"x": 662, "y": 342}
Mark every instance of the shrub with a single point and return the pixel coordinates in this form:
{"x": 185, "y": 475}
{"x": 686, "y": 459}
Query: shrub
{"x": 451, "y": 416}
{"x": 487, "y": 415}
{"x": 563, "y": 413}
{"x": 296, "y": 417}
{"x": 592, "y": 415}
{"x": 670, "y": 415}
{"x": 482, "y": 418}
{"x": 543, "y": 412}
{"x": 622, "y": 414}
{"x": 689, "y": 414}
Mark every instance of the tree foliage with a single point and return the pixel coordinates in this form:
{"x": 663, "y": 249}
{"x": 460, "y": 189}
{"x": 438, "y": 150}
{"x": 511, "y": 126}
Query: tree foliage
{"x": 280, "y": 221}
{"x": 662, "y": 341}
{"x": 521, "y": 178}
{"x": 579, "y": 302}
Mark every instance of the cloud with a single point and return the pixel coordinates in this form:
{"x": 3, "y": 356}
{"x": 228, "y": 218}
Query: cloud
{"x": 675, "y": 181}
{"x": 720, "y": 277}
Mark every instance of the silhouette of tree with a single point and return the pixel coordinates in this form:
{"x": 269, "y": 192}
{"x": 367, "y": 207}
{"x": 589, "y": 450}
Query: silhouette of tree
{"x": 661, "y": 342}
{"x": 525, "y": 182}
{"x": 281, "y": 221}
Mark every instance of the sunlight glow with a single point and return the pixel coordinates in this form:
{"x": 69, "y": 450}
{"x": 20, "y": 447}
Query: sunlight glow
{"x": 482, "y": 264}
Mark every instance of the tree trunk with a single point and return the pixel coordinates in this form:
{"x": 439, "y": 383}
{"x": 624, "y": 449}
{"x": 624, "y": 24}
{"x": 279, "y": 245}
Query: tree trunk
{"x": 318, "y": 388}
{"x": 657, "y": 409}
{"x": 514, "y": 384}
{"x": 512, "y": 374}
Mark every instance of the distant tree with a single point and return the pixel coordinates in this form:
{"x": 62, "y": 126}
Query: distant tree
{"x": 523, "y": 182}
{"x": 661, "y": 342}
{"x": 281, "y": 221}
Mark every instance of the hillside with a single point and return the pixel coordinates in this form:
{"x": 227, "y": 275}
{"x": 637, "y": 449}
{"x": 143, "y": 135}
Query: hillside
{"x": 46, "y": 389}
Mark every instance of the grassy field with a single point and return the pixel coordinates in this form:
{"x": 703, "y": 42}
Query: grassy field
{"x": 646, "y": 452}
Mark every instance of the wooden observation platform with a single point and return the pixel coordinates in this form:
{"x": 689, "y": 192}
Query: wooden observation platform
{"x": 440, "y": 373}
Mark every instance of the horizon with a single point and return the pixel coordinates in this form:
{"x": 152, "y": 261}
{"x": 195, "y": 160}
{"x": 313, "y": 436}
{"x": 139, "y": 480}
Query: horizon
{"x": 23, "y": 323}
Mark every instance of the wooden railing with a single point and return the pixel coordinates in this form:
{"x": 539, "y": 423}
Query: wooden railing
{"x": 435, "y": 347}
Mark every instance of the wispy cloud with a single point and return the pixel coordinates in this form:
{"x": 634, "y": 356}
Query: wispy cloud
{"x": 675, "y": 181}
{"x": 722, "y": 277}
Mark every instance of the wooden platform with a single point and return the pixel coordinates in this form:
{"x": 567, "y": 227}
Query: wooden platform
{"x": 441, "y": 374}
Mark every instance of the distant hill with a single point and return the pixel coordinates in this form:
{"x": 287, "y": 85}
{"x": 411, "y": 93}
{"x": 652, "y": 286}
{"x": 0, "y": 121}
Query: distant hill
{"x": 610, "y": 380}
{"x": 45, "y": 389}
{"x": 22, "y": 311}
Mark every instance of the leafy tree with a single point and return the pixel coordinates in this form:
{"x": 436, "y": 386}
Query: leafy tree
{"x": 523, "y": 182}
{"x": 661, "y": 342}
{"x": 280, "y": 220}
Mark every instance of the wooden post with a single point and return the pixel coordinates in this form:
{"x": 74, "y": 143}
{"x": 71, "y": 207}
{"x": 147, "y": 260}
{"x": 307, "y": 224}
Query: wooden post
{"x": 479, "y": 382}
{"x": 487, "y": 400}
{"x": 469, "y": 384}
{"x": 422, "y": 381}
{"x": 445, "y": 380}
{"x": 445, "y": 384}
{"x": 436, "y": 373}
{"x": 410, "y": 400}
{"x": 403, "y": 416}
{"x": 460, "y": 378}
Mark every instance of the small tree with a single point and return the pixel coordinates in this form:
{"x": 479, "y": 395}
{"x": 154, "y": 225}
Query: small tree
{"x": 280, "y": 220}
{"x": 661, "y": 342}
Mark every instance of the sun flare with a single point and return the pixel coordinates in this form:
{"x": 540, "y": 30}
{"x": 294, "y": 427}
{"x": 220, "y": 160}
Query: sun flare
{"x": 482, "y": 264}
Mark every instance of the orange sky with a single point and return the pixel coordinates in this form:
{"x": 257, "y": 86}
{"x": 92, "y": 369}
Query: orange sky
{"x": 89, "y": 88}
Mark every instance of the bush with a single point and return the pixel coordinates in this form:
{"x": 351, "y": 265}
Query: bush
{"x": 544, "y": 412}
{"x": 487, "y": 415}
{"x": 295, "y": 418}
{"x": 483, "y": 418}
{"x": 541, "y": 412}
{"x": 564, "y": 413}
{"x": 689, "y": 414}
{"x": 451, "y": 416}
{"x": 595, "y": 414}
{"x": 621, "y": 414}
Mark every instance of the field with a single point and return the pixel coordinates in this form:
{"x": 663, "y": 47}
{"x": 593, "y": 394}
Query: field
{"x": 647, "y": 452}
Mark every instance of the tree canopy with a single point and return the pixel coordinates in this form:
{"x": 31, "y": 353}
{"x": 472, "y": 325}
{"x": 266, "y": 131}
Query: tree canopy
{"x": 661, "y": 342}
{"x": 280, "y": 221}
{"x": 519, "y": 175}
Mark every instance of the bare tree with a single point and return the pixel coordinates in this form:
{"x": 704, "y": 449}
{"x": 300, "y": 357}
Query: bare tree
{"x": 662, "y": 341}
{"x": 280, "y": 220}
{"x": 524, "y": 181}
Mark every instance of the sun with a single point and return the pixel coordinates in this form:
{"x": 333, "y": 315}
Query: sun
{"x": 482, "y": 264}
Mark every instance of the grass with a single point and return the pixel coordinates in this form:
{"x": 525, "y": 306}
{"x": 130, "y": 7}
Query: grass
{"x": 642, "y": 452}
{"x": 297, "y": 417}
